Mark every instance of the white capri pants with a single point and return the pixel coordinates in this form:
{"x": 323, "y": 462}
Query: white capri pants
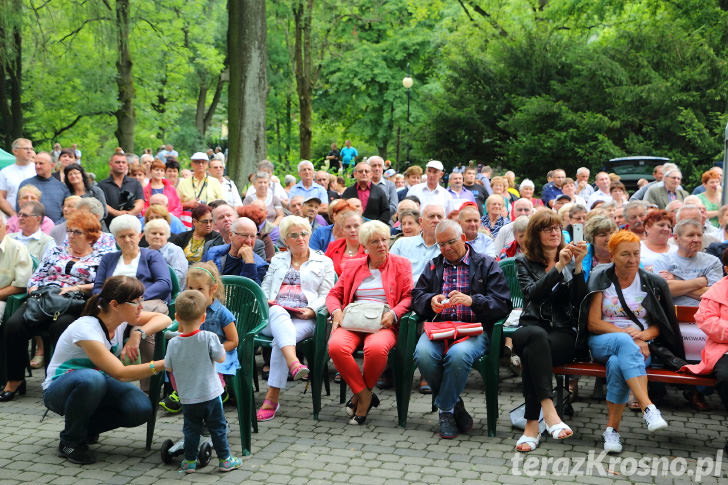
{"x": 285, "y": 331}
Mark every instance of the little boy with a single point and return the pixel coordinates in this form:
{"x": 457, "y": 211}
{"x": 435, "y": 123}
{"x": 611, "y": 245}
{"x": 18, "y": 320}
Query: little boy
{"x": 192, "y": 356}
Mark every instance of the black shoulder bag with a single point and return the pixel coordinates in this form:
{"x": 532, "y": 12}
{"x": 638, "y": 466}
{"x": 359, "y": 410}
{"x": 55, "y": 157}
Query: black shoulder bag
{"x": 662, "y": 356}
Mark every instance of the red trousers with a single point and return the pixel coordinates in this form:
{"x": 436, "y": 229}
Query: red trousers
{"x": 342, "y": 345}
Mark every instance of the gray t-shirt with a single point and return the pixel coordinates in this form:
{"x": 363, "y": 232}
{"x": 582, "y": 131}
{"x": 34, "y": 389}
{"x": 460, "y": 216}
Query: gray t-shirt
{"x": 192, "y": 359}
{"x": 701, "y": 264}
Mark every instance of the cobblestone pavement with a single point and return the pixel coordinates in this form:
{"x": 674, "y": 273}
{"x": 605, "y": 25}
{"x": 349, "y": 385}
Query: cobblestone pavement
{"x": 295, "y": 449}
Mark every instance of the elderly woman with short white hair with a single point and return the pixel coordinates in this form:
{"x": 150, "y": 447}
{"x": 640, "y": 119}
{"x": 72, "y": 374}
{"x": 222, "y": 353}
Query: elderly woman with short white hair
{"x": 144, "y": 264}
{"x": 526, "y": 189}
{"x": 156, "y": 233}
{"x": 381, "y": 278}
{"x": 296, "y": 286}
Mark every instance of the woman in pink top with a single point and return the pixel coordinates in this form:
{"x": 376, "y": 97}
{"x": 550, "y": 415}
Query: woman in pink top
{"x": 712, "y": 318}
{"x": 380, "y": 277}
{"x": 159, "y": 185}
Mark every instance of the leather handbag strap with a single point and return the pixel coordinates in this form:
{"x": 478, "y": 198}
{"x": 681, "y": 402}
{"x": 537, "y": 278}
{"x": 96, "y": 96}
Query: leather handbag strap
{"x": 626, "y": 308}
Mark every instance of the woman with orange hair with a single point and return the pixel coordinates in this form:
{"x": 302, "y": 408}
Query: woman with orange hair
{"x": 711, "y": 197}
{"x": 626, "y": 308}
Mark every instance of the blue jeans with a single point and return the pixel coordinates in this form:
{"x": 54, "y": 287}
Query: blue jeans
{"x": 623, "y": 360}
{"x": 448, "y": 373}
{"x": 94, "y": 403}
{"x": 211, "y": 413}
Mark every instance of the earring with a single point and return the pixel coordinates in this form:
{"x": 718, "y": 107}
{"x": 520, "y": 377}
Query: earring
{"x": 366, "y": 251}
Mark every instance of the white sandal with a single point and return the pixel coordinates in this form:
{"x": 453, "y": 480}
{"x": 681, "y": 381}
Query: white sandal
{"x": 555, "y": 430}
{"x": 531, "y": 441}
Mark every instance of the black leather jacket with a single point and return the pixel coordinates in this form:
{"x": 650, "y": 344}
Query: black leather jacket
{"x": 548, "y": 299}
{"x": 659, "y": 306}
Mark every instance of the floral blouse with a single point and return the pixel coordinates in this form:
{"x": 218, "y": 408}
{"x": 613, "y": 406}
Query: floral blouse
{"x": 58, "y": 268}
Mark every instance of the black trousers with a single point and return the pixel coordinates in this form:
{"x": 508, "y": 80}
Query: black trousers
{"x": 17, "y": 334}
{"x": 721, "y": 374}
{"x": 540, "y": 350}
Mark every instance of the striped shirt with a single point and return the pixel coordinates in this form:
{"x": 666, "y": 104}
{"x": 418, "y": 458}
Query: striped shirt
{"x": 371, "y": 288}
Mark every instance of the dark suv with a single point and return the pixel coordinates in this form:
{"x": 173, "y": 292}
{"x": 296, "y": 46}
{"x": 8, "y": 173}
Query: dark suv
{"x": 631, "y": 169}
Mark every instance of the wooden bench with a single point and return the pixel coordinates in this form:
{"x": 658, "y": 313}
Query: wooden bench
{"x": 562, "y": 373}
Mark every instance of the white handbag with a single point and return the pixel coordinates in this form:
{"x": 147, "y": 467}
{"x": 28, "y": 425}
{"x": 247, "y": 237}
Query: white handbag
{"x": 364, "y": 316}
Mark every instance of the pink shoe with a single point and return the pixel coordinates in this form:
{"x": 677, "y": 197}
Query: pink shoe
{"x": 298, "y": 371}
{"x": 268, "y": 414}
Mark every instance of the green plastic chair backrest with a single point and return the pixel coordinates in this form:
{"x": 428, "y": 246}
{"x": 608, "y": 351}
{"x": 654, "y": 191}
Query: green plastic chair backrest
{"x": 35, "y": 262}
{"x": 511, "y": 273}
{"x": 246, "y": 301}
{"x": 175, "y": 284}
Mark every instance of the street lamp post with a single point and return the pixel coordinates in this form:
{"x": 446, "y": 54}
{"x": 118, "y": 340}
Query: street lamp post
{"x": 407, "y": 83}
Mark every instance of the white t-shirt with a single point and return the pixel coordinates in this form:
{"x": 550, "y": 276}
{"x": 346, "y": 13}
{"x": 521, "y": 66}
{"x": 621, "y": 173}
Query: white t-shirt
{"x": 68, "y": 356}
{"x": 277, "y": 191}
{"x": 598, "y": 195}
{"x": 371, "y": 288}
{"x": 130, "y": 270}
{"x": 10, "y": 178}
{"x": 612, "y": 310}
{"x": 440, "y": 196}
{"x": 651, "y": 259}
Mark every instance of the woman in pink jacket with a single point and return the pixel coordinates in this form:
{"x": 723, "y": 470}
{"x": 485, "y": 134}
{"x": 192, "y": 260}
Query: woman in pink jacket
{"x": 159, "y": 185}
{"x": 380, "y": 277}
{"x": 712, "y": 318}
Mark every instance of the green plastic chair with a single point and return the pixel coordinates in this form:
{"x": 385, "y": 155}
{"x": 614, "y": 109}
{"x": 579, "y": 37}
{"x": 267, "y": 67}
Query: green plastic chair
{"x": 175, "y": 292}
{"x": 307, "y": 347}
{"x": 487, "y": 365}
{"x": 511, "y": 273}
{"x": 246, "y": 301}
{"x": 401, "y": 359}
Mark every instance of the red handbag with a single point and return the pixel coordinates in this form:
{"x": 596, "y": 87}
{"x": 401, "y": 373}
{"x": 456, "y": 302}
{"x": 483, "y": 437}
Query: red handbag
{"x": 452, "y": 331}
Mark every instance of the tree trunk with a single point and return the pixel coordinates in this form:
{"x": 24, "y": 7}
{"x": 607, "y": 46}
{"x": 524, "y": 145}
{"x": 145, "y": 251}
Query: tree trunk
{"x": 204, "y": 114}
{"x": 304, "y": 76}
{"x": 125, "y": 81}
{"x": 288, "y": 132}
{"x": 11, "y": 70}
{"x": 248, "y": 90}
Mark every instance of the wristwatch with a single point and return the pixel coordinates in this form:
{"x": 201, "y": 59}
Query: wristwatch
{"x": 142, "y": 332}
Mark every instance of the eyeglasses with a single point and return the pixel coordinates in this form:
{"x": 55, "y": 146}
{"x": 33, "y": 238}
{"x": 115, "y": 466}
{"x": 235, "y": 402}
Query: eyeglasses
{"x": 205, "y": 221}
{"x": 27, "y": 149}
{"x": 551, "y": 229}
{"x": 75, "y": 232}
{"x": 198, "y": 161}
{"x": 246, "y": 236}
{"x": 447, "y": 243}
{"x": 296, "y": 235}
{"x": 22, "y": 215}
{"x": 137, "y": 302}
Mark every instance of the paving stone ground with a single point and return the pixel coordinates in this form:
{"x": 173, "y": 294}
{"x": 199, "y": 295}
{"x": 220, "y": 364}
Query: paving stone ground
{"x": 295, "y": 449}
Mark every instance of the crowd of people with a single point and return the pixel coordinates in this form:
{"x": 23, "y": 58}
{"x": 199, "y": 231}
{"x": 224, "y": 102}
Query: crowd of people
{"x": 600, "y": 271}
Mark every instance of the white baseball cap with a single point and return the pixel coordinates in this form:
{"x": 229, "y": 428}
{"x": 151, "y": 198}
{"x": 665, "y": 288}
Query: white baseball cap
{"x": 199, "y": 156}
{"x": 436, "y": 164}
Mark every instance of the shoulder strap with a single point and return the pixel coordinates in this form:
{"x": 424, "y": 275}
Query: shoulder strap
{"x": 626, "y": 308}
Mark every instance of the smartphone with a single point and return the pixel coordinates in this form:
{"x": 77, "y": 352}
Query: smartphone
{"x": 578, "y": 232}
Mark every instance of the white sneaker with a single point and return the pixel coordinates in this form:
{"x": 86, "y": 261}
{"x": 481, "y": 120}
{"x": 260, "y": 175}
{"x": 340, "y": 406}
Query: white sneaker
{"x": 653, "y": 419}
{"x": 612, "y": 441}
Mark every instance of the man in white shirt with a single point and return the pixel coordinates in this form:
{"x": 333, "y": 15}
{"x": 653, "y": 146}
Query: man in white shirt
{"x": 469, "y": 219}
{"x": 431, "y": 192}
{"x": 602, "y": 192}
{"x": 30, "y": 215}
{"x": 423, "y": 248}
{"x": 12, "y": 175}
{"x": 458, "y": 192}
{"x": 583, "y": 188}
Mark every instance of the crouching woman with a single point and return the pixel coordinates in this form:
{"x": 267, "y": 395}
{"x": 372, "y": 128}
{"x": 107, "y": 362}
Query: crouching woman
{"x": 85, "y": 377}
